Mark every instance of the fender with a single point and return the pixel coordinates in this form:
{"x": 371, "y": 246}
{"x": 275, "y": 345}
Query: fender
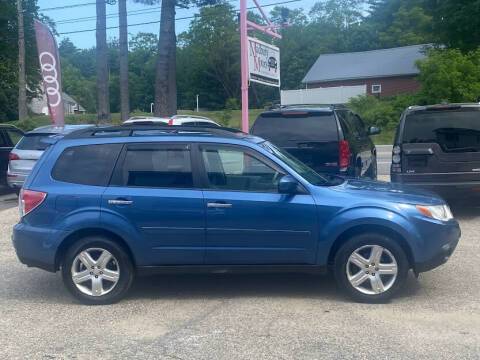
{"x": 368, "y": 216}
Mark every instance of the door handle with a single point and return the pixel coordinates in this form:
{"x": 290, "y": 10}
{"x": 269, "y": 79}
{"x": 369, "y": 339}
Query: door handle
{"x": 219, "y": 205}
{"x": 120, "y": 202}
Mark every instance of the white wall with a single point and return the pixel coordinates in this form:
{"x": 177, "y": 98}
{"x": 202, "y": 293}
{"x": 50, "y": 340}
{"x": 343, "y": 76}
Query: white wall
{"x": 330, "y": 95}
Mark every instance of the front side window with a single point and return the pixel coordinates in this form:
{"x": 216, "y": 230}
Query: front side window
{"x": 87, "y": 164}
{"x": 237, "y": 170}
{"x": 157, "y": 167}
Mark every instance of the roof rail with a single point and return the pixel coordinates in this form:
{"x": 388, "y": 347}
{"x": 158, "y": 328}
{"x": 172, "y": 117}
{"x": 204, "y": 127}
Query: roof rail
{"x": 164, "y": 129}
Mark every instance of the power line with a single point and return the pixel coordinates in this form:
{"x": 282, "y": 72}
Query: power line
{"x": 176, "y": 19}
{"x": 111, "y": 15}
{"x": 67, "y": 6}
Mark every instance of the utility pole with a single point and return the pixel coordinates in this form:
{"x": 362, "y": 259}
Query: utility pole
{"x": 22, "y": 86}
{"x": 124, "y": 97}
{"x": 246, "y": 25}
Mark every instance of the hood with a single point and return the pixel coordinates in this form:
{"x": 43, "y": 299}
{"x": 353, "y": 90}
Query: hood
{"x": 386, "y": 191}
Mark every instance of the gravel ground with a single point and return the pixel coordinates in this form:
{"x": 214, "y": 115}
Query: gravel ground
{"x": 243, "y": 316}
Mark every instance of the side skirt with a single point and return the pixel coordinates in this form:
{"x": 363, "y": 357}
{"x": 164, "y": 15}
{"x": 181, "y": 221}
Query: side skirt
{"x": 226, "y": 269}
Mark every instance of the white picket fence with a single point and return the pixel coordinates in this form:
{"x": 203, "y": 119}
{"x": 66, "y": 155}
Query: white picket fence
{"x": 330, "y": 95}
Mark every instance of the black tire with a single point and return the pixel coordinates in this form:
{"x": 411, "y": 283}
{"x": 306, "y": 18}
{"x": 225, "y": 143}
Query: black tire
{"x": 356, "y": 242}
{"x": 122, "y": 259}
{"x": 372, "y": 172}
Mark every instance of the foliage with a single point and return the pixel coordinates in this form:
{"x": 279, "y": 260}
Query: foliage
{"x": 449, "y": 75}
{"x": 383, "y": 112}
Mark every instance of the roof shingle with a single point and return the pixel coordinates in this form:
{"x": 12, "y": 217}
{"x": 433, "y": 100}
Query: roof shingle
{"x": 366, "y": 64}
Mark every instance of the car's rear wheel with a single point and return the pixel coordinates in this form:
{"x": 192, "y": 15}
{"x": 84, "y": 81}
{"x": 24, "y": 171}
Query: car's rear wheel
{"x": 97, "y": 271}
{"x": 371, "y": 267}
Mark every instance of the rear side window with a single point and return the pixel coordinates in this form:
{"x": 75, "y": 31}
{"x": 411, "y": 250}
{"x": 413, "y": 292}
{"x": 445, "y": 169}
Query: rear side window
{"x": 156, "y": 167}
{"x": 87, "y": 164}
{"x": 454, "y": 131}
{"x": 293, "y": 130}
{"x": 33, "y": 142}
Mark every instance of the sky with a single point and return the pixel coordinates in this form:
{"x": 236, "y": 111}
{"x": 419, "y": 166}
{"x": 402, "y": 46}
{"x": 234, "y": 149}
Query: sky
{"x": 137, "y": 13}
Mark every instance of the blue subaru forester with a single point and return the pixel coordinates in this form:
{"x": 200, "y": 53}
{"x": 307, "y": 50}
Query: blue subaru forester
{"x": 105, "y": 204}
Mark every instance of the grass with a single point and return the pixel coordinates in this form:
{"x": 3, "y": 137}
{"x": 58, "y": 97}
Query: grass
{"x": 384, "y": 138}
{"x": 234, "y": 121}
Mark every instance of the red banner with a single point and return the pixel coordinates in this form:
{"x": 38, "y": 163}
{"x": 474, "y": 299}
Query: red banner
{"x": 50, "y": 68}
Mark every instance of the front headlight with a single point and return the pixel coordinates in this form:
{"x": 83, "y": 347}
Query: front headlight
{"x": 439, "y": 212}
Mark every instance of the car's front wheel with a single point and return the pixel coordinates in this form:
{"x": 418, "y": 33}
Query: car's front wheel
{"x": 97, "y": 271}
{"x": 371, "y": 267}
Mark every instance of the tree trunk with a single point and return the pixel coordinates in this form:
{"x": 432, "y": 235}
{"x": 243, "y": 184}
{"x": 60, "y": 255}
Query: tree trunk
{"x": 124, "y": 100}
{"x": 103, "y": 101}
{"x": 22, "y": 86}
{"x": 165, "y": 77}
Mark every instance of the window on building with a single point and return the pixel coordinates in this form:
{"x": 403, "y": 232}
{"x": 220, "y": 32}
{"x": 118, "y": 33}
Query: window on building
{"x": 376, "y": 89}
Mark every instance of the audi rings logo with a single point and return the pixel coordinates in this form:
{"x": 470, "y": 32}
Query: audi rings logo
{"x": 48, "y": 65}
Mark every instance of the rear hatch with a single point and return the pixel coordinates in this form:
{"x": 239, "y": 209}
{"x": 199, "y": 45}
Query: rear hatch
{"x": 29, "y": 149}
{"x": 442, "y": 144}
{"x": 310, "y": 136}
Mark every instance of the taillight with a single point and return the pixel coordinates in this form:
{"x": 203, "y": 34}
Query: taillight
{"x": 28, "y": 200}
{"x": 396, "y": 159}
{"x": 170, "y": 122}
{"x": 13, "y": 156}
{"x": 343, "y": 154}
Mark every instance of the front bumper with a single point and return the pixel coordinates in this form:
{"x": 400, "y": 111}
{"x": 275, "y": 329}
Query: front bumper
{"x": 438, "y": 246}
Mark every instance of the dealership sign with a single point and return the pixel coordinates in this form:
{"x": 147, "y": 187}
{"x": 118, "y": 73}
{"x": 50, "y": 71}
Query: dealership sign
{"x": 263, "y": 63}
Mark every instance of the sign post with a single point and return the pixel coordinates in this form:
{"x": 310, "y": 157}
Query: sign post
{"x": 259, "y": 74}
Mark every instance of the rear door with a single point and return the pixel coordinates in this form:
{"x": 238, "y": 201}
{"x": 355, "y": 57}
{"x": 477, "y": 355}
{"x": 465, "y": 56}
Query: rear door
{"x": 153, "y": 190}
{"x": 442, "y": 145}
{"x": 311, "y": 137}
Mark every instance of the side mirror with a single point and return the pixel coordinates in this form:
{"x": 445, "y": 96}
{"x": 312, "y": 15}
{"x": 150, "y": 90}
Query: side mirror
{"x": 287, "y": 185}
{"x": 373, "y": 130}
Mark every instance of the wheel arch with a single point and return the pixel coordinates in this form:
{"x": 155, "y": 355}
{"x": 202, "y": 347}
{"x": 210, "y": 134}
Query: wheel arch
{"x": 82, "y": 233}
{"x": 363, "y": 229}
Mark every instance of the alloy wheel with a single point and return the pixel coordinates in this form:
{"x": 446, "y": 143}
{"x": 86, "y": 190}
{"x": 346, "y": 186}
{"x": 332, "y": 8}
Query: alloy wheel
{"x": 372, "y": 269}
{"x": 95, "y": 271}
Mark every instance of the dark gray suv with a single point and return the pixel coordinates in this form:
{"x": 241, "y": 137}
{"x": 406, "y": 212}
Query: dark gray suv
{"x": 437, "y": 147}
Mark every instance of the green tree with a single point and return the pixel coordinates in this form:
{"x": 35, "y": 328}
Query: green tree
{"x": 448, "y": 75}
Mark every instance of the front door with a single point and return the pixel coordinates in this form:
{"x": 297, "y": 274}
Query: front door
{"x": 154, "y": 190}
{"x": 248, "y": 221}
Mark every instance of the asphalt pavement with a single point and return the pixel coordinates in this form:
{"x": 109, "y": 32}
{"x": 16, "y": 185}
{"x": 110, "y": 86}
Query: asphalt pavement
{"x": 281, "y": 316}
{"x": 384, "y": 159}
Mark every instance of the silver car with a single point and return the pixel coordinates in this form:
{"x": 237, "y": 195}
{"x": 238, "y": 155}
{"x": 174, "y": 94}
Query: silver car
{"x": 28, "y": 150}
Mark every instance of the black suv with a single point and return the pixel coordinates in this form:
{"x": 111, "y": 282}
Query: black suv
{"x": 437, "y": 147}
{"x": 9, "y": 136}
{"x": 328, "y": 139}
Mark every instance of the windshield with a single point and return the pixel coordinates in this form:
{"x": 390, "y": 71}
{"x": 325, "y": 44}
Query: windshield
{"x": 303, "y": 170}
{"x": 454, "y": 131}
{"x": 33, "y": 142}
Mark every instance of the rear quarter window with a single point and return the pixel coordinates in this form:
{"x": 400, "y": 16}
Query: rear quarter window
{"x": 291, "y": 130}
{"x": 87, "y": 164}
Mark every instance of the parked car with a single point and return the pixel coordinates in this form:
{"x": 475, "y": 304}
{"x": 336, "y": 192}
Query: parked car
{"x": 9, "y": 136}
{"x": 328, "y": 139}
{"x": 105, "y": 204}
{"x": 437, "y": 147}
{"x": 184, "y": 120}
{"x": 28, "y": 150}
